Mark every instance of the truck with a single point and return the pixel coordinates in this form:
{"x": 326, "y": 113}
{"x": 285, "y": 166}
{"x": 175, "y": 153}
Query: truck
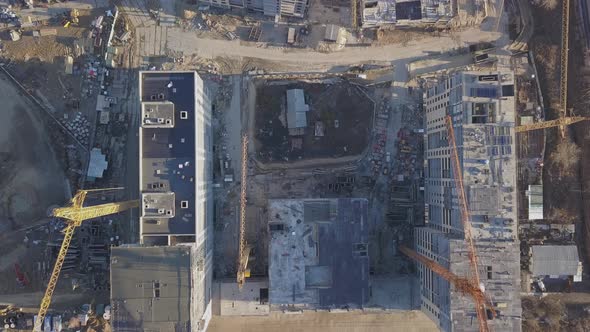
{"x": 291, "y": 36}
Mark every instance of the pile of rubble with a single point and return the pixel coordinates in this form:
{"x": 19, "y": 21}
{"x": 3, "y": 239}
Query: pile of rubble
{"x": 407, "y": 165}
{"x": 79, "y": 127}
{"x": 9, "y": 18}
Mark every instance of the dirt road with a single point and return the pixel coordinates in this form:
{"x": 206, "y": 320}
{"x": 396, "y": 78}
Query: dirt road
{"x": 407, "y": 321}
{"x": 212, "y": 48}
{"x": 58, "y": 301}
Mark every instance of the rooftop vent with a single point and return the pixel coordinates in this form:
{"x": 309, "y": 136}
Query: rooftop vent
{"x": 184, "y": 115}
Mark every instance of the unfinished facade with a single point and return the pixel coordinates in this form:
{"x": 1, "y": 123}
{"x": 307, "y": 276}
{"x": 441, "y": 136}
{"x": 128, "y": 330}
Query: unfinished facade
{"x": 386, "y": 12}
{"x": 482, "y": 107}
{"x": 318, "y": 253}
{"x": 276, "y": 8}
{"x": 175, "y": 147}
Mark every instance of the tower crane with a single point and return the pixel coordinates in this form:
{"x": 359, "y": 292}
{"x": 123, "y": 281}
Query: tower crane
{"x": 244, "y": 249}
{"x": 562, "y": 122}
{"x": 466, "y": 221}
{"x": 463, "y": 285}
{"x": 353, "y": 14}
{"x": 74, "y": 215}
{"x": 565, "y": 34}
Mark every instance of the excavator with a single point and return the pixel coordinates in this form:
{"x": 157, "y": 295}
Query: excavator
{"x": 74, "y": 215}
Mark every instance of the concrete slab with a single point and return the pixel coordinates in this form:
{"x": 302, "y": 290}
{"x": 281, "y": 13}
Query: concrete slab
{"x": 252, "y": 300}
{"x": 407, "y": 321}
{"x": 318, "y": 253}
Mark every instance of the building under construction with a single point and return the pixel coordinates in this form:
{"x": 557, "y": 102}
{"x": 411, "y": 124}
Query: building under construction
{"x": 176, "y": 205}
{"x": 385, "y": 12}
{"x": 482, "y": 107}
{"x": 276, "y": 8}
{"x": 318, "y": 253}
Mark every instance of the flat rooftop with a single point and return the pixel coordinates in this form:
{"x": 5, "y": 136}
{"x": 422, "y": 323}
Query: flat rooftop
{"x": 150, "y": 288}
{"x": 489, "y": 156}
{"x": 167, "y": 152}
{"x": 318, "y": 253}
{"x": 486, "y": 140}
{"x": 486, "y": 144}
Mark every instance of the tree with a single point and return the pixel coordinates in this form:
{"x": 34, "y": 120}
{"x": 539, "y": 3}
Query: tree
{"x": 565, "y": 157}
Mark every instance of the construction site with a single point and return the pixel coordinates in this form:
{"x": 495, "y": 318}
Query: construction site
{"x": 341, "y": 115}
{"x": 319, "y": 166}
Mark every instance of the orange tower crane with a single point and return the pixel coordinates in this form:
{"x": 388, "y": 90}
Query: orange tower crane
{"x": 463, "y": 285}
{"x": 466, "y": 221}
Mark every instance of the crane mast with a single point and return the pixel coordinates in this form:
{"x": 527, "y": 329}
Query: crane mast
{"x": 465, "y": 220}
{"x": 74, "y": 216}
{"x": 243, "y": 249}
{"x": 565, "y": 32}
{"x": 563, "y": 121}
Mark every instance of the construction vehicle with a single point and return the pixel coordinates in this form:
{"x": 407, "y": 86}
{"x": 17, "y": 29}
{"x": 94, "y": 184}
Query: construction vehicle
{"x": 463, "y": 285}
{"x": 74, "y": 215}
{"x": 21, "y": 278}
{"x": 71, "y": 18}
{"x": 244, "y": 249}
{"x": 5, "y": 310}
{"x": 466, "y": 222}
{"x": 405, "y": 149}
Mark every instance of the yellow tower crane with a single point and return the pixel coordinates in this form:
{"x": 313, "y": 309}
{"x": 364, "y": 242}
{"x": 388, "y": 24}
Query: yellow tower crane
{"x": 244, "y": 249}
{"x": 74, "y": 215}
{"x": 562, "y": 122}
{"x": 354, "y": 14}
{"x": 565, "y": 34}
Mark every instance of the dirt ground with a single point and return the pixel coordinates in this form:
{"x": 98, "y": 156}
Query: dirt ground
{"x": 564, "y": 195}
{"x": 32, "y": 179}
{"x": 565, "y": 175}
{"x": 39, "y": 62}
{"x": 32, "y": 147}
{"x": 344, "y": 110}
{"x": 568, "y": 195}
{"x": 559, "y": 312}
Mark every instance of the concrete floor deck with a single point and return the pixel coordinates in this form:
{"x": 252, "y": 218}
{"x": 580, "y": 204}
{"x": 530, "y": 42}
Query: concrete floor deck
{"x": 407, "y": 321}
